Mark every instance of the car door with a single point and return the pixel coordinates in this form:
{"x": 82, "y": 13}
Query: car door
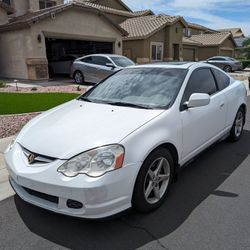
{"x": 101, "y": 70}
{"x": 87, "y": 67}
{"x": 201, "y": 125}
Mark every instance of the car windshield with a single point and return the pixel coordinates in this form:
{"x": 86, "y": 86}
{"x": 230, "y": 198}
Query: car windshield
{"x": 122, "y": 61}
{"x": 153, "y": 88}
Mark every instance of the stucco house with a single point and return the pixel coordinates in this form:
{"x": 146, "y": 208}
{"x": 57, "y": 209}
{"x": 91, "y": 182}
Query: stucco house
{"x": 153, "y": 38}
{"x": 34, "y": 32}
{"x": 29, "y": 38}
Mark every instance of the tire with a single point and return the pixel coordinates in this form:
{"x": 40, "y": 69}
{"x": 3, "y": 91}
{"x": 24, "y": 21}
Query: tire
{"x": 227, "y": 68}
{"x": 78, "y": 77}
{"x": 237, "y": 128}
{"x": 143, "y": 199}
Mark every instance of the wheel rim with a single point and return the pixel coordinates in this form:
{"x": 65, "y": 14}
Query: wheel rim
{"x": 157, "y": 180}
{"x": 78, "y": 77}
{"x": 227, "y": 69}
{"x": 238, "y": 124}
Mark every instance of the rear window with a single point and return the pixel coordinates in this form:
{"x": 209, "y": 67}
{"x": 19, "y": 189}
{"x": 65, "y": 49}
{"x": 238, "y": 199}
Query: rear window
{"x": 222, "y": 79}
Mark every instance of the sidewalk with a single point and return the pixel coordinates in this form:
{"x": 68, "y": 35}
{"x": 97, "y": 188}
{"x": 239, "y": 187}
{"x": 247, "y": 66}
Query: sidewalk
{"x": 5, "y": 188}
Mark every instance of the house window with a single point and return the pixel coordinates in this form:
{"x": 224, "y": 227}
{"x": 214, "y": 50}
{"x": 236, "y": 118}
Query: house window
{"x": 156, "y": 51}
{"x": 43, "y": 4}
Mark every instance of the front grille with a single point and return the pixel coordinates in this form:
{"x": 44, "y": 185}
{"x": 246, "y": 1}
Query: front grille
{"x": 43, "y": 196}
{"x": 38, "y": 158}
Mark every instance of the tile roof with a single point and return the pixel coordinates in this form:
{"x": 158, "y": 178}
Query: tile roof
{"x": 120, "y": 1}
{"x": 234, "y": 31}
{"x": 212, "y": 39}
{"x": 189, "y": 41}
{"x": 33, "y": 17}
{"x": 110, "y": 10}
{"x": 201, "y": 27}
{"x": 143, "y": 27}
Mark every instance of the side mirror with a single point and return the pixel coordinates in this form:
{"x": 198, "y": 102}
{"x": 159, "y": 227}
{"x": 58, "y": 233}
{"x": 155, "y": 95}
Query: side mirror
{"x": 198, "y": 100}
{"x": 110, "y": 65}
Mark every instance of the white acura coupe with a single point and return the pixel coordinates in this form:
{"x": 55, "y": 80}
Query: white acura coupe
{"x": 121, "y": 143}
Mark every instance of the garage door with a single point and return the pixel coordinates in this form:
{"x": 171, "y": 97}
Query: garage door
{"x": 188, "y": 54}
{"x": 57, "y": 48}
{"x": 224, "y": 52}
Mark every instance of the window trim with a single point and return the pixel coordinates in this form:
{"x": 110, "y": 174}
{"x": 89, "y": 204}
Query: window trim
{"x": 151, "y": 50}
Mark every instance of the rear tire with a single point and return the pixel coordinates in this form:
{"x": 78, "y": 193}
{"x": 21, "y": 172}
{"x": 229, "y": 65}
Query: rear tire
{"x": 238, "y": 125}
{"x": 78, "y": 77}
{"x": 153, "y": 181}
{"x": 228, "y": 68}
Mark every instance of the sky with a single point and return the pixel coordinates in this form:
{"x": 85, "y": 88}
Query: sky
{"x": 215, "y": 14}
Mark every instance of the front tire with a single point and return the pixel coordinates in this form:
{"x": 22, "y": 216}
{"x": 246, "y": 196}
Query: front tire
{"x": 153, "y": 181}
{"x": 238, "y": 125}
{"x": 228, "y": 68}
{"x": 78, "y": 77}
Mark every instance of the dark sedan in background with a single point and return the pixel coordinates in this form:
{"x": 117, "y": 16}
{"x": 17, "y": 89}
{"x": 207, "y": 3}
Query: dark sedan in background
{"x": 227, "y": 64}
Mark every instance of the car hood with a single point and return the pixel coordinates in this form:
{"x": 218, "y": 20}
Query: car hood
{"x": 77, "y": 126}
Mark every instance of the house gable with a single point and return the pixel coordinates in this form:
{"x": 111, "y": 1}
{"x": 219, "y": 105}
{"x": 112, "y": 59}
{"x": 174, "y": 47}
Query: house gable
{"x": 115, "y": 4}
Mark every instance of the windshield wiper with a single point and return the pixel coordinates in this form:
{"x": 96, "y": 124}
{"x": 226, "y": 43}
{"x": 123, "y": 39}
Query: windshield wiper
{"x": 126, "y": 104}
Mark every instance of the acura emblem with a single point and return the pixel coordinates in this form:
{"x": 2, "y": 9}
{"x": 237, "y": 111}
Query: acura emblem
{"x": 31, "y": 158}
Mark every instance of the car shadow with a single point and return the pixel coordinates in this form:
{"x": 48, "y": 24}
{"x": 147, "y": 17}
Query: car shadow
{"x": 132, "y": 230}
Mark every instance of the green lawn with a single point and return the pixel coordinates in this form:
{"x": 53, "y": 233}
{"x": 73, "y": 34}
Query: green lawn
{"x": 16, "y": 103}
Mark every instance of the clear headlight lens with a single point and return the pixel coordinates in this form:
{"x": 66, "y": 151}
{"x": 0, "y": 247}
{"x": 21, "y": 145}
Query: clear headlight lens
{"x": 95, "y": 162}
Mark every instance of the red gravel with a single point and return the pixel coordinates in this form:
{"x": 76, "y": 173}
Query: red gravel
{"x": 12, "y": 124}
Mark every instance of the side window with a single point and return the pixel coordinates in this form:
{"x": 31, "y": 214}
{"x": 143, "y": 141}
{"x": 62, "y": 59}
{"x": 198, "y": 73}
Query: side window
{"x": 201, "y": 81}
{"x": 87, "y": 59}
{"x": 100, "y": 60}
{"x": 222, "y": 79}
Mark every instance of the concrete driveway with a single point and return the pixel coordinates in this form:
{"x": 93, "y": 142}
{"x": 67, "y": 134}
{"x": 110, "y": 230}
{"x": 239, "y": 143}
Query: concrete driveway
{"x": 208, "y": 208}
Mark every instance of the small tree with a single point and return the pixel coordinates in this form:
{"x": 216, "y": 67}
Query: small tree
{"x": 246, "y": 48}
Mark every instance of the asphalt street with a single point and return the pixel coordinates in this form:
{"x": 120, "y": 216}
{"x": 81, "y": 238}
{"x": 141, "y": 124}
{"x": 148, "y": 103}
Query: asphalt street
{"x": 208, "y": 208}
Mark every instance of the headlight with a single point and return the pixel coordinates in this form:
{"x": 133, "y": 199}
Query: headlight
{"x": 95, "y": 162}
{"x": 11, "y": 145}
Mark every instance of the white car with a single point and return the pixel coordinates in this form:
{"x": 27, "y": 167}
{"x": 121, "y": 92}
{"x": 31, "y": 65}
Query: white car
{"x": 122, "y": 143}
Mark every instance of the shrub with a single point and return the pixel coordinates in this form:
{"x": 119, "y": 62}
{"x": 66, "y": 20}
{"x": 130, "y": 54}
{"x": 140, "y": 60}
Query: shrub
{"x": 245, "y": 63}
{"x": 2, "y": 84}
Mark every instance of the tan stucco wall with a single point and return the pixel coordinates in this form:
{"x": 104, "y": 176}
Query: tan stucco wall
{"x": 173, "y": 38}
{"x": 13, "y": 51}
{"x": 21, "y": 6}
{"x": 228, "y": 46}
{"x": 116, "y": 18}
{"x": 140, "y": 49}
{"x": 18, "y": 46}
{"x": 137, "y": 50}
{"x": 3, "y": 16}
{"x": 190, "y": 53}
{"x": 206, "y": 52}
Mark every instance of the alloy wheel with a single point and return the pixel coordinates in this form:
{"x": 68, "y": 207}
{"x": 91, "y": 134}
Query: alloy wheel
{"x": 157, "y": 180}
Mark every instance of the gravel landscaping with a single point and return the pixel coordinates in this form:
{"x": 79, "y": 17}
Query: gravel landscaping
{"x": 12, "y": 124}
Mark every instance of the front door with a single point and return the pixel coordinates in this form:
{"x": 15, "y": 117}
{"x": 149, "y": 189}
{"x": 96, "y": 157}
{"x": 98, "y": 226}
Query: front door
{"x": 202, "y": 125}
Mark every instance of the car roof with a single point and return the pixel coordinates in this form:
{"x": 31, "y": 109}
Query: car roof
{"x": 106, "y": 55}
{"x": 171, "y": 65}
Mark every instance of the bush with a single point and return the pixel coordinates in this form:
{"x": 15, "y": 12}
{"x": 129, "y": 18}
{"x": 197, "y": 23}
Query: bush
{"x": 2, "y": 84}
{"x": 245, "y": 63}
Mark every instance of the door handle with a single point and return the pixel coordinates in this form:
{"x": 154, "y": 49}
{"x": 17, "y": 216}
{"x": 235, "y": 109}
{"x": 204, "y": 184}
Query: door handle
{"x": 222, "y": 105}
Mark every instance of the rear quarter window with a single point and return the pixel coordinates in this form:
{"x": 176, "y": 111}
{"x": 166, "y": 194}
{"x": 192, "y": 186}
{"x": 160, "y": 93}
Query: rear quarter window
{"x": 222, "y": 79}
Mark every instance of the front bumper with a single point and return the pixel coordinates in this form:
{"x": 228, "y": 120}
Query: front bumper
{"x": 100, "y": 197}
